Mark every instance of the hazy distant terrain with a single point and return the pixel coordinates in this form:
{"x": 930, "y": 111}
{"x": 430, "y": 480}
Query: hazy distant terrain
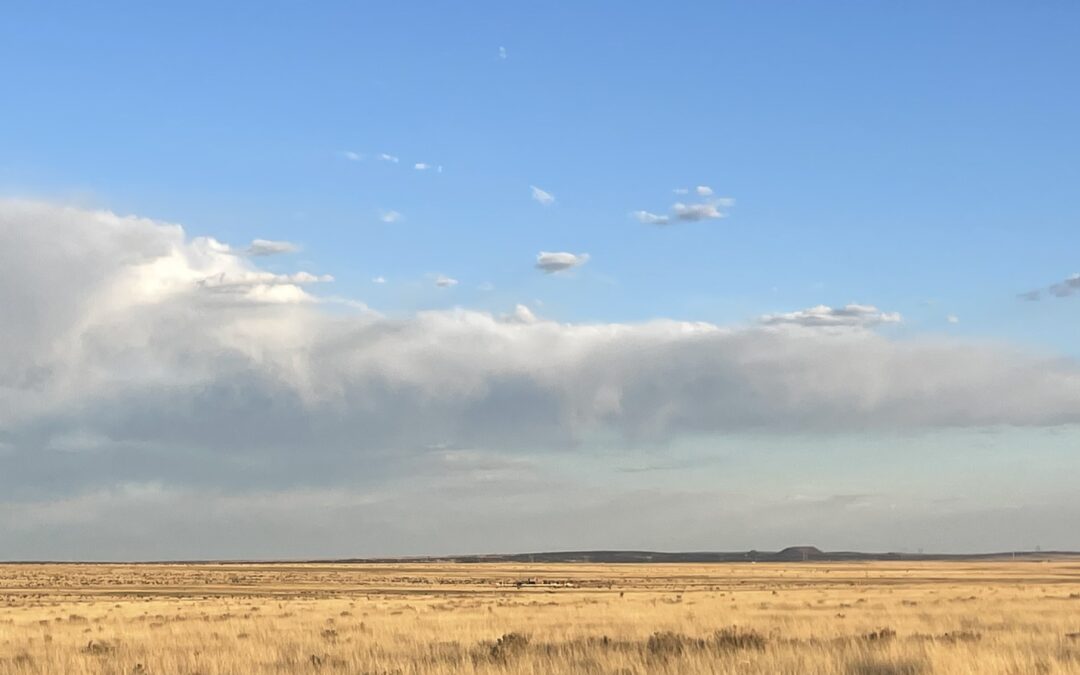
{"x": 858, "y": 618}
{"x": 790, "y": 554}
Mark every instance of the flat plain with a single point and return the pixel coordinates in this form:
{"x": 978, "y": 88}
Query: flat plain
{"x": 864, "y": 618}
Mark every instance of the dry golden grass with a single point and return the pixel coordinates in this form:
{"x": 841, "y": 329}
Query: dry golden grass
{"x": 856, "y": 618}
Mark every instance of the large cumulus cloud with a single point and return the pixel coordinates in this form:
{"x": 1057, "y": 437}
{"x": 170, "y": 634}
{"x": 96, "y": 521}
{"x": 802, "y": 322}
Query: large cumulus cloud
{"x": 116, "y": 324}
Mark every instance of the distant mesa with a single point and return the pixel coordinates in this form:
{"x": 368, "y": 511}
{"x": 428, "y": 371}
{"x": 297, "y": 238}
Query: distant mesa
{"x": 800, "y": 553}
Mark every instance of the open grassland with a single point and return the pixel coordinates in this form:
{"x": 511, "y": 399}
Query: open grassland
{"x": 856, "y": 618}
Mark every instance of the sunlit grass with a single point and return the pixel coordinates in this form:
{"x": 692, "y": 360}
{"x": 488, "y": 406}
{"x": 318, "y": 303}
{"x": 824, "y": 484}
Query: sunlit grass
{"x": 859, "y": 618}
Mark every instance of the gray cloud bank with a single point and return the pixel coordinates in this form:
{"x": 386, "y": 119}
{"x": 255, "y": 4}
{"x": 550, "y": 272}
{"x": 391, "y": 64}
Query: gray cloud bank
{"x": 123, "y": 364}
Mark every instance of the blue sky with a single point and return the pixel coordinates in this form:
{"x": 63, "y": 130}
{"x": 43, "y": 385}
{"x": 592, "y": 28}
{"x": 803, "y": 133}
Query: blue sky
{"x": 916, "y": 157}
{"x": 886, "y": 154}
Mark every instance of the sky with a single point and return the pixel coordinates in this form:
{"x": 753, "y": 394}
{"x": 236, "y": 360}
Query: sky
{"x": 298, "y": 280}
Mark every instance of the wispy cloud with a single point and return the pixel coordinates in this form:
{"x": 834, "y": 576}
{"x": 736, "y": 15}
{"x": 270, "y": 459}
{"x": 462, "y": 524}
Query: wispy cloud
{"x": 421, "y": 166}
{"x": 443, "y": 281}
{"x": 250, "y": 278}
{"x": 952, "y": 318}
{"x": 560, "y": 261}
{"x": 502, "y": 53}
{"x": 823, "y": 316}
{"x": 265, "y": 247}
{"x": 708, "y": 209}
{"x": 388, "y": 158}
{"x": 1062, "y": 289}
{"x": 696, "y": 212}
{"x": 378, "y": 280}
{"x": 542, "y": 196}
{"x": 390, "y": 216}
{"x": 651, "y": 218}
{"x": 352, "y": 156}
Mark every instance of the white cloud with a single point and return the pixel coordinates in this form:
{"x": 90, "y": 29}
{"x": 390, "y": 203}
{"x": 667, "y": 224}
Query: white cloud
{"x": 695, "y": 212}
{"x": 522, "y": 314}
{"x": 952, "y": 318}
{"x": 443, "y": 281}
{"x": 561, "y": 261}
{"x": 421, "y": 166}
{"x": 823, "y": 316}
{"x": 264, "y": 247}
{"x": 545, "y": 198}
{"x": 378, "y": 280}
{"x": 651, "y": 218}
{"x": 706, "y": 210}
{"x": 390, "y": 216}
{"x": 502, "y": 52}
{"x": 352, "y": 156}
{"x": 96, "y": 323}
{"x": 388, "y": 158}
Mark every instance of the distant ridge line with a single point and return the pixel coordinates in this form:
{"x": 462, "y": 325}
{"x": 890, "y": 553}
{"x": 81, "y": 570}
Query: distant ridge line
{"x": 790, "y": 554}
{"x": 787, "y": 555}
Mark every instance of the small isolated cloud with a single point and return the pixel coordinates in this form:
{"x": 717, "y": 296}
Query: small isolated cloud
{"x": 651, "y": 218}
{"x": 823, "y": 316}
{"x": 681, "y": 191}
{"x": 379, "y": 280}
{"x": 264, "y": 247}
{"x": 443, "y": 281}
{"x": 502, "y": 53}
{"x": 696, "y": 212}
{"x": 421, "y": 166}
{"x": 1062, "y": 289}
{"x": 542, "y": 196}
{"x": 952, "y": 318}
{"x": 351, "y": 156}
{"x": 388, "y": 158}
{"x": 703, "y": 191}
{"x": 390, "y": 216}
{"x": 559, "y": 262}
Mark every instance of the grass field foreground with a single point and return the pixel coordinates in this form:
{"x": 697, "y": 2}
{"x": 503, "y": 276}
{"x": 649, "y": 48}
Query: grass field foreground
{"x": 405, "y": 619}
